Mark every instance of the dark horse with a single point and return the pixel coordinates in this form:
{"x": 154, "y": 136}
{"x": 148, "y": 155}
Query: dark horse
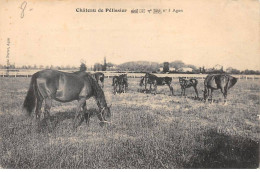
{"x": 48, "y": 85}
{"x": 187, "y": 84}
{"x": 99, "y": 77}
{"x": 218, "y": 81}
{"x": 121, "y": 82}
{"x": 155, "y": 81}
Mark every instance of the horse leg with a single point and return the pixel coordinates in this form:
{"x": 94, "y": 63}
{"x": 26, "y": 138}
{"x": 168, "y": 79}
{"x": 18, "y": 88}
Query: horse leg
{"x": 224, "y": 91}
{"x": 86, "y": 113}
{"x": 145, "y": 84}
{"x": 47, "y": 109}
{"x": 171, "y": 89}
{"x": 155, "y": 88}
{"x": 115, "y": 88}
{"x": 196, "y": 91}
{"x": 38, "y": 113}
{"x": 79, "y": 118}
{"x": 211, "y": 95}
{"x": 206, "y": 95}
{"x": 119, "y": 88}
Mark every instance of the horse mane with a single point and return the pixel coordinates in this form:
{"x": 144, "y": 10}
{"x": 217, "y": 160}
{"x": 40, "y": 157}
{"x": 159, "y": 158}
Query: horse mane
{"x": 98, "y": 92}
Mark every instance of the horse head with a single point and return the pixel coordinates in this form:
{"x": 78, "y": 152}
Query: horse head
{"x": 105, "y": 112}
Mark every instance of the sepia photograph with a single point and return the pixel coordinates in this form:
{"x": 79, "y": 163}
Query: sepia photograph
{"x": 114, "y": 84}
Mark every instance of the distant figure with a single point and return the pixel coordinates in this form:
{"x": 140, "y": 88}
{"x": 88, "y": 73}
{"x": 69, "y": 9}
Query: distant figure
{"x": 218, "y": 81}
{"x": 120, "y": 82}
{"x": 187, "y": 84}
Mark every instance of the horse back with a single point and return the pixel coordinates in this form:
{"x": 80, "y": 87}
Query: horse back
{"x": 220, "y": 81}
{"x": 210, "y": 82}
{"x": 62, "y": 86}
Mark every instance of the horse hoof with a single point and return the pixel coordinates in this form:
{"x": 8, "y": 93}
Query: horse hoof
{"x": 101, "y": 124}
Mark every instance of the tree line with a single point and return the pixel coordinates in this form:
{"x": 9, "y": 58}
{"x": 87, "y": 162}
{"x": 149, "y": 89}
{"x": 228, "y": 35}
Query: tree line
{"x": 139, "y": 66}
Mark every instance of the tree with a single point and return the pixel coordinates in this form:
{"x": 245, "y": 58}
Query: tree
{"x": 194, "y": 68}
{"x": 97, "y": 67}
{"x": 83, "y": 67}
{"x": 177, "y": 64}
{"x": 232, "y": 70}
{"x": 139, "y": 66}
{"x": 166, "y": 67}
{"x": 104, "y": 67}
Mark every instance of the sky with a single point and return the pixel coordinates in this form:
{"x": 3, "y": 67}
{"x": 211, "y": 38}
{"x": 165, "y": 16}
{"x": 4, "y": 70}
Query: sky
{"x": 205, "y": 33}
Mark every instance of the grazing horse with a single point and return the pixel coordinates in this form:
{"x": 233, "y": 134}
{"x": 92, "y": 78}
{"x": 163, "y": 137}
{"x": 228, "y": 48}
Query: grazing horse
{"x": 48, "y": 85}
{"x": 99, "y": 77}
{"x": 218, "y": 81}
{"x": 187, "y": 84}
{"x": 121, "y": 82}
{"x": 156, "y": 81}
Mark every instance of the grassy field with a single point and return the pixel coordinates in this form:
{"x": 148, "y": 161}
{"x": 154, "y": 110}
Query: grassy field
{"x": 148, "y": 131}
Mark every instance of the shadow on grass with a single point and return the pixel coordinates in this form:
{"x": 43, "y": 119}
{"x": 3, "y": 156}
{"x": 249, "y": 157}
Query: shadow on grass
{"x": 222, "y": 151}
{"x": 61, "y": 116}
{"x": 192, "y": 98}
{"x": 147, "y": 91}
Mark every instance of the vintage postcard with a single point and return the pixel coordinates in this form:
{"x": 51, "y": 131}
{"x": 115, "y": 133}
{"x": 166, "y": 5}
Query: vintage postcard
{"x": 113, "y": 84}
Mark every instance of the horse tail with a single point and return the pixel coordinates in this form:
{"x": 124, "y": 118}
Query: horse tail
{"x": 232, "y": 82}
{"x": 30, "y": 99}
{"x": 195, "y": 82}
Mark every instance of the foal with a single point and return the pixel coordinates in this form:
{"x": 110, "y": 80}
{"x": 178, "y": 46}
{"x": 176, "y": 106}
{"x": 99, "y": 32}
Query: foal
{"x": 187, "y": 84}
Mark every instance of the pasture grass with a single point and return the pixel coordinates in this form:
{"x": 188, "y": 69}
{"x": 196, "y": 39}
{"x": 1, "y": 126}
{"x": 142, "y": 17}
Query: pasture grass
{"x": 148, "y": 131}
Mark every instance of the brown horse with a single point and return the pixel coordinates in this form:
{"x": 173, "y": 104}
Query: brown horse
{"x": 48, "y": 85}
{"x": 187, "y": 84}
{"x": 218, "y": 81}
{"x": 121, "y": 82}
{"x": 156, "y": 81}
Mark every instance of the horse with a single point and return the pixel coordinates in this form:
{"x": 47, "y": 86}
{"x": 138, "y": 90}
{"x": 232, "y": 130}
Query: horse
{"x": 187, "y": 84}
{"x": 156, "y": 81}
{"x": 218, "y": 81}
{"x": 121, "y": 82}
{"x": 48, "y": 85}
{"x": 99, "y": 77}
